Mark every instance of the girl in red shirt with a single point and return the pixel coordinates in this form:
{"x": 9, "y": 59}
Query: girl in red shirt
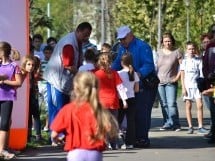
{"x": 110, "y": 87}
{"x": 84, "y": 121}
{"x": 110, "y": 84}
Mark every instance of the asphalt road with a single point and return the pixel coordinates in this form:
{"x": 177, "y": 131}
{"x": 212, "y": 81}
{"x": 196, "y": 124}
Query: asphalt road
{"x": 165, "y": 145}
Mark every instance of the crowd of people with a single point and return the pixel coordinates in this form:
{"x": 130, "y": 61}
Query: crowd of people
{"x": 93, "y": 98}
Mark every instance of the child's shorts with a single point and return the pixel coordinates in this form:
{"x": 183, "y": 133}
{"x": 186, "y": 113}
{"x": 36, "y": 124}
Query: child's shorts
{"x": 192, "y": 94}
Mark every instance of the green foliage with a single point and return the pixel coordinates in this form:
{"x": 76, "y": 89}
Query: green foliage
{"x": 140, "y": 15}
{"x": 143, "y": 17}
{"x": 38, "y": 19}
{"x": 34, "y": 144}
{"x": 63, "y": 17}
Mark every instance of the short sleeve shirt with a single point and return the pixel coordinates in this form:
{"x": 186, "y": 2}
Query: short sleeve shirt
{"x": 8, "y": 93}
{"x": 127, "y": 83}
{"x": 79, "y": 124}
{"x": 108, "y": 88}
{"x": 168, "y": 65}
{"x": 192, "y": 68}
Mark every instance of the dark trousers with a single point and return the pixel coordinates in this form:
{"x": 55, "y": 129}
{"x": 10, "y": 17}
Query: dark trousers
{"x": 144, "y": 102}
{"x": 212, "y": 113}
{"x": 35, "y": 112}
{"x": 130, "y": 113}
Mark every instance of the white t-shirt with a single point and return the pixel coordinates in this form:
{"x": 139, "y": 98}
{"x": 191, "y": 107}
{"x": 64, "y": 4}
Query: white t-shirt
{"x": 86, "y": 67}
{"x": 192, "y": 68}
{"x": 39, "y": 54}
{"x": 128, "y": 84}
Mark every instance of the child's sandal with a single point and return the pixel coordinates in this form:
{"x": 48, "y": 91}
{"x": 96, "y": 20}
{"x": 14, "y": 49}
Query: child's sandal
{"x": 6, "y": 155}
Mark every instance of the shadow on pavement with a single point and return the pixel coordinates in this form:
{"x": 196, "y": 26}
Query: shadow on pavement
{"x": 179, "y": 142}
{"x": 157, "y": 122}
{"x": 45, "y": 153}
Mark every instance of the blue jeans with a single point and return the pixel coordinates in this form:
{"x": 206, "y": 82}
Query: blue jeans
{"x": 168, "y": 96}
{"x": 206, "y": 101}
{"x": 144, "y": 102}
{"x": 35, "y": 112}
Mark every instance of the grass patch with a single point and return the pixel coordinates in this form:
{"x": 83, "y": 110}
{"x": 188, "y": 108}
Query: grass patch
{"x": 33, "y": 143}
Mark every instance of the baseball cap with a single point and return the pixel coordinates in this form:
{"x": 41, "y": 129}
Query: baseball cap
{"x": 122, "y": 32}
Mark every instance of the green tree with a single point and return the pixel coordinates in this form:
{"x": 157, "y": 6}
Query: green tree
{"x": 38, "y": 19}
{"x": 140, "y": 15}
{"x": 65, "y": 15}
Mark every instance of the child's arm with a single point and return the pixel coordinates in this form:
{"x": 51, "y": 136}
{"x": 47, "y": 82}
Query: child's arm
{"x": 184, "y": 92}
{"x": 54, "y": 135}
{"x": 17, "y": 82}
{"x": 209, "y": 92}
{"x": 136, "y": 87}
{"x": 179, "y": 72}
{"x": 177, "y": 77}
{"x": 122, "y": 92}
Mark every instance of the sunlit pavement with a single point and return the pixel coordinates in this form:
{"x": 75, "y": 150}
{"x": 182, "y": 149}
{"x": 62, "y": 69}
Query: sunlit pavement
{"x": 165, "y": 145}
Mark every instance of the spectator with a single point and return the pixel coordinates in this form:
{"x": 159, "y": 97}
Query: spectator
{"x": 10, "y": 79}
{"x": 88, "y": 45}
{"x": 208, "y": 70}
{"x": 42, "y": 87}
{"x": 191, "y": 69}
{"x": 62, "y": 66}
{"x": 143, "y": 64}
{"x": 51, "y": 41}
{"x": 30, "y": 65}
{"x": 205, "y": 40}
{"x": 27, "y": 65}
{"x": 89, "y": 61}
{"x": 168, "y": 63}
{"x": 34, "y": 110}
{"x": 37, "y": 42}
{"x": 106, "y": 48}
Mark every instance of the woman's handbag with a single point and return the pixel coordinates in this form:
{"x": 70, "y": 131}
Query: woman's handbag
{"x": 151, "y": 81}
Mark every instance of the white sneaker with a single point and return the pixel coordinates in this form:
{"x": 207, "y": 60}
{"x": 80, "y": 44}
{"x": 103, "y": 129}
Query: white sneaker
{"x": 45, "y": 129}
{"x": 123, "y": 147}
{"x": 129, "y": 146}
{"x": 109, "y": 147}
